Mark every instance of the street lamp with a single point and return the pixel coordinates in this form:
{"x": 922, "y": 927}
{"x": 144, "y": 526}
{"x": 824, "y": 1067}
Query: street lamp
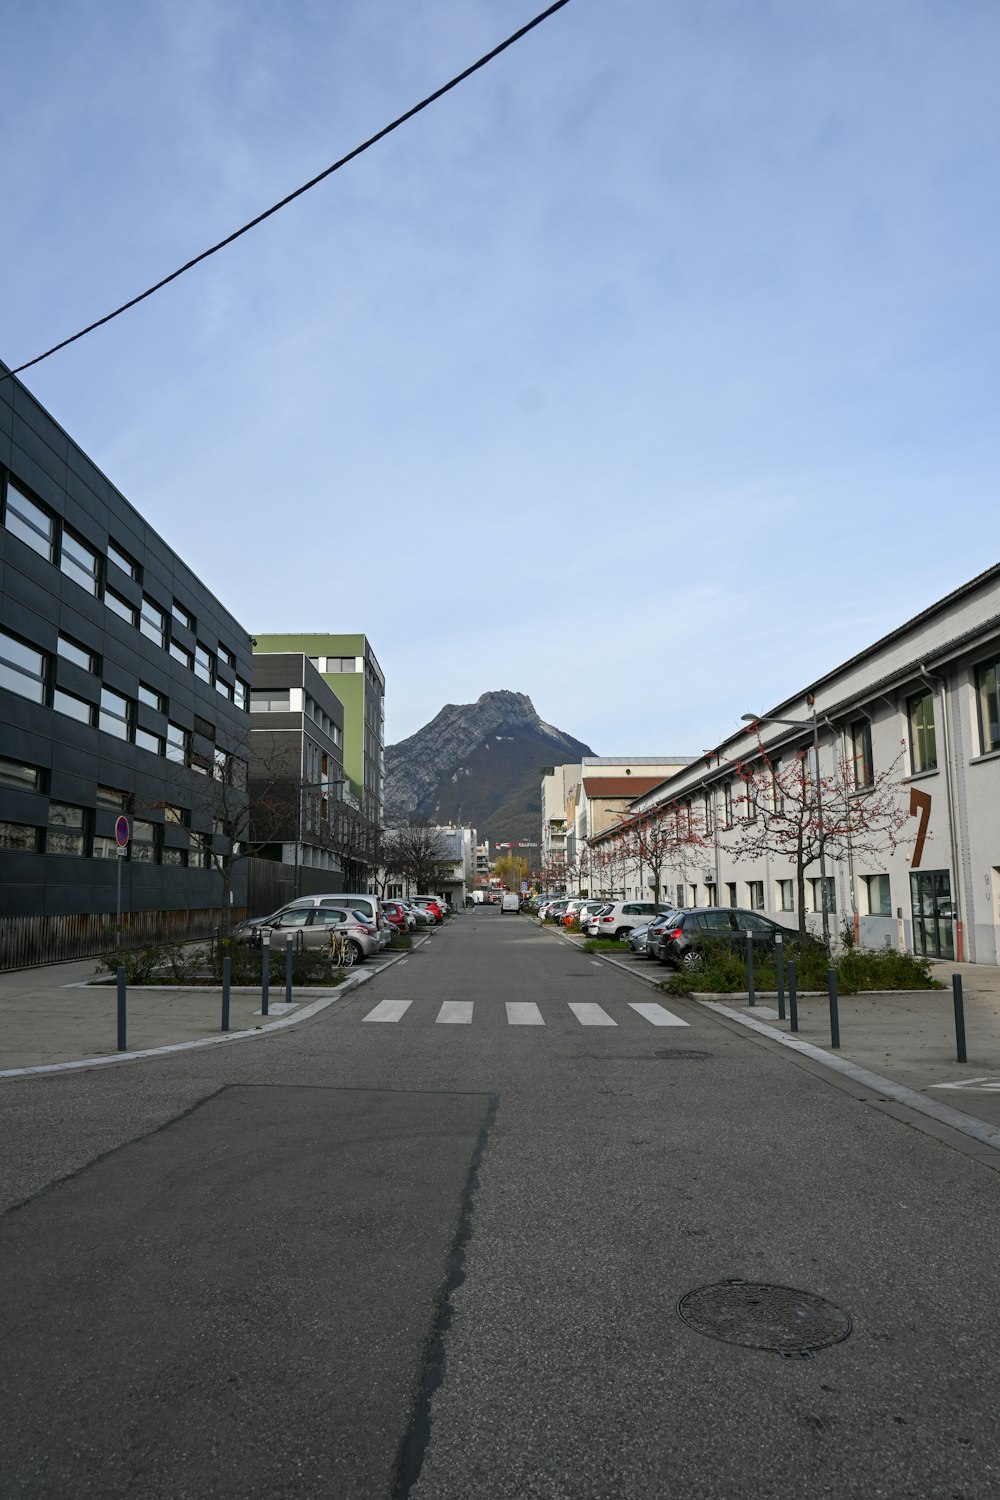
{"x": 813, "y": 723}
{"x": 314, "y": 786}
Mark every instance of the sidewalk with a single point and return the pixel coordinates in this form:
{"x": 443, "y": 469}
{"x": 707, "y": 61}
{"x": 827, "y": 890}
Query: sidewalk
{"x": 51, "y": 1015}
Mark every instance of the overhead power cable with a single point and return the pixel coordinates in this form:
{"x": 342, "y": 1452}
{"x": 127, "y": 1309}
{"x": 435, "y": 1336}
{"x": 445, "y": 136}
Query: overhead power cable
{"x": 290, "y": 198}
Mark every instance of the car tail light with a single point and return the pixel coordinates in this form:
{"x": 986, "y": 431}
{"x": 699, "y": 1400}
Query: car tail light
{"x": 673, "y": 932}
{"x": 607, "y": 919}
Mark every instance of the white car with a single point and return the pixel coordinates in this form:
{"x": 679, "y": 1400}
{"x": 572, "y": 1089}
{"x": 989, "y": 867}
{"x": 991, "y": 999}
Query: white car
{"x": 619, "y": 917}
{"x": 510, "y": 901}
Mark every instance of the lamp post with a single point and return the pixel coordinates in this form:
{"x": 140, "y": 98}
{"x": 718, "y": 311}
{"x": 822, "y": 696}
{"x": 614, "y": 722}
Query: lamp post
{"x": 314, "y": 786}
{"x": 813, "y": 723}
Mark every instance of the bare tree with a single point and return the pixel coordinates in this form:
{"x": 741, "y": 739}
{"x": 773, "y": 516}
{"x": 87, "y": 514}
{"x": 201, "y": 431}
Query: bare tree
{"x": 418, "y": 852}
{"x": 787, "y": 810}
{"x": 665, "y": 837}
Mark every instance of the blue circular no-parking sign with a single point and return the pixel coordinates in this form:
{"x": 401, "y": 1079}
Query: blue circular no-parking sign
{"x": 121, "y": 832}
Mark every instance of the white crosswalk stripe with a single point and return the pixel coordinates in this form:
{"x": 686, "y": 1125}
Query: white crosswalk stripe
{"x": 655, "y": 1014}
{"x": 388, "y": 1010}
{"x": 590, "y": 1015}
{"x": 456, "y": 1013}
{"x": 523, "y": 1013}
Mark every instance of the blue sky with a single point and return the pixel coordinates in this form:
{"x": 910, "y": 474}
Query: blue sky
{"x": 652, "y": 372}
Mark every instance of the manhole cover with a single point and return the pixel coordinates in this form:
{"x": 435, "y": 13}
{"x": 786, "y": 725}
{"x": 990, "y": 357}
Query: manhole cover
{"x": 756, "y": 1315}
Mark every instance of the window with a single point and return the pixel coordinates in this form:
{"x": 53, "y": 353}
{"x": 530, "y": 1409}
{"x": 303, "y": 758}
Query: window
{"x": 178, "y": 742}
{"x": 67, "y": 833}
{"x": 121, "y": 607}
{"x": 74, "y": 652}
{"x": 709, "y": 814}
{"x": 730, "y": 893}
{"x": 79, "y": 562}
{"x": 728, "y": 796}
{"x": 19, "y": 777}
{"x": 988, "y": 698}
{"x": 923, "y": 745}
{"x": 341, "y": 664}
{"x": 786, "y": 895}
{"x": 105, "y": 846}
{"x": 20, "y": 836}
{"x": 864, "y": 766}
{"x": 110, "y": 797}
{"x": 879, "y": 895}
{"x": 152, "y": 698}
{"x": 755, "y": 895}
{"x": 224, "y": 689}
{"x": 22, "y": 668}
{"x": 30, "y": 522}
{"x": 181, "y": 616}
{"x": 270, "y": 701}
{"x": 142, "y": 844}
{"x": 200, "y": 857}
{"x": 241, "y": 694}
{"x": 122, "y": 560}
{"x": 817, "y": 894}
{"x": 153, "y": 622}
{"x": 227, "y": 656}
{"x": 173, "y": 856}
{"x": 116, "y": 714}
{"x": 202, "y": 663}
{"x": 146, "y": 740}
{"x": 777, "y": 794}
{"x": 181, "y": 654}
{"x": 73, "y": 707}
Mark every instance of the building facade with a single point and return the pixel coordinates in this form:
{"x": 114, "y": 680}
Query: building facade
{"x": 124, "y": 693}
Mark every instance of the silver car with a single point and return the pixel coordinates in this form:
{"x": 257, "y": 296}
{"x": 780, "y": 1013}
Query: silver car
{"x": 313, "y": 927}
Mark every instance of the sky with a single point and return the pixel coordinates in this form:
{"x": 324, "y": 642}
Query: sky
{"x": 652, "y": 372}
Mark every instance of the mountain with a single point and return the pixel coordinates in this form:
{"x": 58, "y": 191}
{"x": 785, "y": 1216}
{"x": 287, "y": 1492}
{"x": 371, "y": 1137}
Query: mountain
{"x": 481, "y": 764}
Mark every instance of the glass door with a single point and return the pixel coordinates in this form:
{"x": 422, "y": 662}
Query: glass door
{"x": 933, "y": 911}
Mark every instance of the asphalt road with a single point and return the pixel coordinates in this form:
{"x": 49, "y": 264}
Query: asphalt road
{"x": 438, "y": 1257}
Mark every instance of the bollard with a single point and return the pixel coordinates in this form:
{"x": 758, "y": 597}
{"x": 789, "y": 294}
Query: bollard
{"x": 779, "y": 964}
{"x": 288, "y": 968}
{"x": 831, "y": 988}
{"x": 121, "y": 1009}
{"x": 227, "y": 970}
{"x": 793, "y": 1003}
{"x": 956, "y": 986}
{"x": 751, "y": 993}
{"x": 265, "y": 971}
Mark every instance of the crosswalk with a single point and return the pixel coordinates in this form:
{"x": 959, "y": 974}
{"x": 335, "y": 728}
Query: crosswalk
{"x": 523, "y": 1013}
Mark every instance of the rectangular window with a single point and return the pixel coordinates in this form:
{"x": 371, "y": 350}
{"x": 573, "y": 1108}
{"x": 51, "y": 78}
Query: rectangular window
{"x": 200, "y": 857}
{"x": 30, "y": 522}
{"x": 174, "y": 856}
{"x": 923, "y": 744}
{"x": 202, "y": 663}
{"x": 22, "y": 668}
{"x": 111, "y": 798}
{"x": 727, "y": 792}
{"x": 20, "y": 836}
{"x": 181, "y": 654}
{"x": 122, "y": 560}
{"x": 152, "y": 698}
{"x": 105, "y": 846}
{"x": 146, "y": 740}
{"x": 730, "y": 893}
{"x": 72, "y": 651}
{"x": 755, "y": 895}
{"x": 142, "y": 844}
{"x": 79, "y": 562}
{"x": 864, "y": 766}
{"x": 270, "y": 701}
{"x": 121, "y": 607}
{"x": 178, "y": 742}
{"x": 879, "y": 896}
{"x": 181, "y": 616}
{"x": 988, "y": 698}
{"x": 153, "y": 622}
{"x": 67, "y": 832}
{"x": 817, "y": 893}
{"x": 176, "y": 815}
{"x": 241, "y": 694}
{"x": 777, "y": 792}
{"x": 786, "y": 895}
{"x": 19, "y": 777}
{"x": 116, "y": 714}
{"x": 73, "y": 707}
{"x": 224, "y": 689}
{"x": 227, "y": 656}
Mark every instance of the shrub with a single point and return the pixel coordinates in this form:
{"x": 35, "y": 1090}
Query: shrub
{"x": 858, "y": 969}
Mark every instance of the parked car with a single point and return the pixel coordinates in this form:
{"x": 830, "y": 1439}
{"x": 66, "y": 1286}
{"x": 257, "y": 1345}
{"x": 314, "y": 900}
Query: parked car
{"x": 654, "y": 930}
{"x": 571, "y": 912}
{"x": 618, "y": 919}
{"x": 554, "y": 910}
{"x": 588, "y": 911}
{"x": 398, "y": 916}
{"x": 685, "y": 941}
{"x": 431, "y": 904}
{"x": 638, "y": 938}
{"x": 510, "y": 901}
{"x": 421, "y": 915}
{"x": 313, "y": 927}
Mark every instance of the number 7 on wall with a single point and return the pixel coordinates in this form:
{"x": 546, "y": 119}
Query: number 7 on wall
{"x": 920, "y": 806}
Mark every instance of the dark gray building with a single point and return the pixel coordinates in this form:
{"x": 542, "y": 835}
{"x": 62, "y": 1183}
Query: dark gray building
{"x": 124, "y": 691}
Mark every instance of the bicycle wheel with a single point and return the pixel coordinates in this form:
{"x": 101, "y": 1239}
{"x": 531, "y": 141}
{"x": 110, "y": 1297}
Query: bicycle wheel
{"x": 349, "y": 953}
{"x": 333, "y": 953}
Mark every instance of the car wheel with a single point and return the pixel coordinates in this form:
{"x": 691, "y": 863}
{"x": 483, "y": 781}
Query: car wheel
{"x": 692, "y": 959}
{"x": 622, "y": 936}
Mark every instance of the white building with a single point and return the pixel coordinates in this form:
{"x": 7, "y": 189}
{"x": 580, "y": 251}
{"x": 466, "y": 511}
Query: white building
{"x": 920, "y": 707}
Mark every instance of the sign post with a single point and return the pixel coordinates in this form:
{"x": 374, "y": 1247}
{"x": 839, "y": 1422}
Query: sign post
{"x": 122, "y": 832}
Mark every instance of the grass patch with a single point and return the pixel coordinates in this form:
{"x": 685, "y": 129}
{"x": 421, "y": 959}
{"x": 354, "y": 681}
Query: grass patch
{"x": 401, "y": 940}
{"x": 604, "y": 945}
{"x": 859, "y": 969}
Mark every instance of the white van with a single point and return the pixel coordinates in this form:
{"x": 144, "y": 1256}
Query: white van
{"x": 510, "y": 901}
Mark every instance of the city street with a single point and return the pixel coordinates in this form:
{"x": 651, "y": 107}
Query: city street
{"x": 431, "y": 1241}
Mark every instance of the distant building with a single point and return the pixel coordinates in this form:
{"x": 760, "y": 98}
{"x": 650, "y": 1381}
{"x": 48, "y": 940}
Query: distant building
{"x": 349, "y": 666}
{"x": 124, "y": 690}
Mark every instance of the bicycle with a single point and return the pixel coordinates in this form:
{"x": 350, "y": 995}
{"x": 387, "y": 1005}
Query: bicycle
{"x": 341, "y": 950}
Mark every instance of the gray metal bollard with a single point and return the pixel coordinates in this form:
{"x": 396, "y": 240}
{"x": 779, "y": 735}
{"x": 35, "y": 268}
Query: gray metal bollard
{"x": 227, "y": 971}
{"x": 793, "y": 1001}
{"x": 121, "y": 1009}
{"x": 289, "y": 940}
{"x": 779, "y": 964}
{"x": 956, "y": 988}
{"x": 831, "y": 989}
{"x": 751, "y": 991}
{"x": 265, "y": 972}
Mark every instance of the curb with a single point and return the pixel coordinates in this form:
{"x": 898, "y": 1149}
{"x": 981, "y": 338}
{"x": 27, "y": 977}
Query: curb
{"x": 221, "y": 1039}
